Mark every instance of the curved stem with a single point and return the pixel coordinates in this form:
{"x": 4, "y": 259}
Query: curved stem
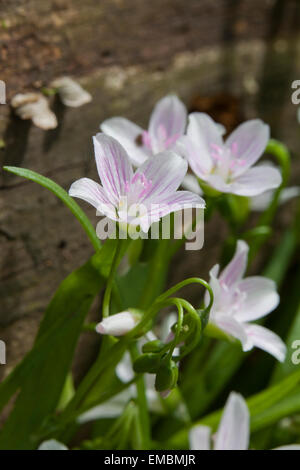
{"x": 175, "y": 341}
{"x": 191, "y": 280}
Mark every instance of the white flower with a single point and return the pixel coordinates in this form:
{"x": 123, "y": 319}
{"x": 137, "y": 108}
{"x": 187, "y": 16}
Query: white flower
{"x": 136, "y": 198}
{"x": 117, "y": 325}
{"x": 167, "y": 124}
{"x": 233, "y": 431}
{"x": 238, "y": 301}
{"x": 227, "y": 166}
{"x": 52, "y": 444}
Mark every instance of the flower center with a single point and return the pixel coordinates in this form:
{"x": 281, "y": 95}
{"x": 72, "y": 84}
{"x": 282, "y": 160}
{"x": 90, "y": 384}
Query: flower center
{"x": 163, "y": 140}
{"x": 226, "y": 160}
{"x": 136, "y": 189}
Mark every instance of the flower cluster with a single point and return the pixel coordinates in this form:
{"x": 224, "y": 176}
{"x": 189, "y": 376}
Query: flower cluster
{"x": 141, "y": 172}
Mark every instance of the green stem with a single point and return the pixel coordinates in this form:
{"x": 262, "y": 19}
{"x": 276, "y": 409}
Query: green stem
{"x": 158, "y": 268}
{"x": 144, "y": 419}
{"x": 110, "y": 280}
{"x": 178, "y": 304}
{"x": 190, "y": 280}
{"x": 282, "y": 154}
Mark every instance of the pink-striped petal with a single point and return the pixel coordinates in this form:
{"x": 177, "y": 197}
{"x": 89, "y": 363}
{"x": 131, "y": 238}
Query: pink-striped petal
{"x": 216, "y": 288}
{"x": 174, "y": 202}
{"x": 266, "y": 340}
{"x": 233, "y": 328}
{"x": 190, "y": 182}
{"x": 248, "y": 142}
{"x": 256, "y": 181}
{"x": 93, "y": 193}
{"x": 167, "y": 123}
{"x": 205, "y": 135}
{"x": 113, "y": 166}
{"x": 199, "y": 438}
{"x": 233, "y": 432}
{"x": 261, "y": 298}
{"x": 129, "y": 135}
{"x": 165, "y": 173}
{"x": 235, "y": 270}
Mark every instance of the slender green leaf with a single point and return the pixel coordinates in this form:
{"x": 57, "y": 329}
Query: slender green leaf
{"x": 63, "y": 196}
{"x": 48, "y": 364}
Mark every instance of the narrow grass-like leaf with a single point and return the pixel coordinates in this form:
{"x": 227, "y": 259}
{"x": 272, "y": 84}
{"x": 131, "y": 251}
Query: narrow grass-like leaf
{"x": 63, "y": 196}
{"x": 42, "y": 374}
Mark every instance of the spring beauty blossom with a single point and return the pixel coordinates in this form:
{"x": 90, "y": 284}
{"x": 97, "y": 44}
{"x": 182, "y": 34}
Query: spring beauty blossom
{"x": 238, "y": 301}
{"x": 167, "y": 124}
{"x": 138, "y": 198}
{"x": 233, "y": 432}
{"x": 118, "y": 324}
{"x": 227, "y": 166}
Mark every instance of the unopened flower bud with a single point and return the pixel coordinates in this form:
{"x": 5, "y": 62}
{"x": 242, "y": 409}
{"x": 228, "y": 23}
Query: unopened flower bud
{"x": 147, "y": 363}
{"x": 118, "y": 324}
{"x": 167, "y": 376}
{"x": 154, "y": 346}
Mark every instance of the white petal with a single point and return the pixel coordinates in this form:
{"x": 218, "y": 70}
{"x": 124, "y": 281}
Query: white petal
{"x": 166, "y": 325}
{"x": 177, "y": 201}
{"x": 249, "y": 141}
{"x": 113, "y": 166}
{"x": 124, "y": 369}
{"x": 261, "y": 298}
{"x": 165, "y": 171}
{"x": 110, "y": 409}
{"x": 199, "y": 438}
{"x": 215, "y": 285}
{"x": 265, "y": 339}
{"x": 190, "y": 182}
{"x": 261, "y": 203}
{"x": 204, "y": 133}
{"x": 117, "y": 325}
{"x": 52, "y": 444}
{"x": 93, "y": 193}
{"x": 289, "y": 193}
{"x": 167, "y": 123}
{"x": 233, "y": 432}
{"x": 235, "y": 270}
{"x": 233, "y": 328}
{"x": 289, "y": 447}
{"x": 128, "y": 134}
{"x": 255, "y": 181}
